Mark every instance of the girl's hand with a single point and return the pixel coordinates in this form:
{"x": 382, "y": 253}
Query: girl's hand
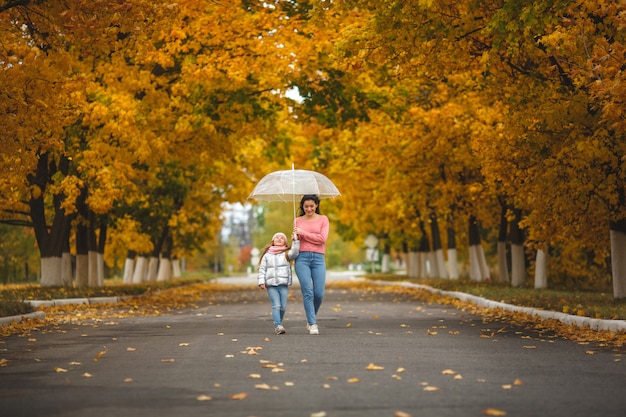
{"x": 262, "y": 286}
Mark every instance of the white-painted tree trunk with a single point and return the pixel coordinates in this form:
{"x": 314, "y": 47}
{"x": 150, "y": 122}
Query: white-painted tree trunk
{"x": 82, "y": 270}
{"x": 440, "y": 261}
{"x": 541, "y": 270}
{"x": 503, "y": 269}
{"x": 433, "y": 268}
{"x": 618, "y": 263}
{"x": 100, "y": 269}
{"x": 176, "y": 268}
{"x": 384, "y": 266}
{"x": 484, "y": 267}
{"x": 51, "y": 275}
{"x": 413, "y": 264}
{"x": 165, "y": 270}
{"x": 422, "y": 260}
{"x": 93, "y": 268}
{"x": 453, "y": 264}
{"x": 129, "y": 266}
{"x": 141, "y": 268}
{"x": 474, "y": 263}
{"x": 66, "y": 269}
{"x": 518, "y": 266}
{"x": 153, "y": 268}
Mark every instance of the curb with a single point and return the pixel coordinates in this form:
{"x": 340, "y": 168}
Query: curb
{"x": 583, "y": 322}
{"x": 5, "y": 321}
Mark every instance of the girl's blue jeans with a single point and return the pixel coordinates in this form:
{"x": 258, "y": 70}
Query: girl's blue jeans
{"x": 311, "y": 270}
{"x": 278, "y": 298}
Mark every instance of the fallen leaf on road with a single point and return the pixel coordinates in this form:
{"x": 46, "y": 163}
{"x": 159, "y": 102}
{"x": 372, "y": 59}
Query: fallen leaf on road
{"x": 319, "y": 414}
{"x": 168, "y": 360}
{"x": 448, "y": 372}
{"x": 239, "y": 396}
{"x": 203, "y": 398}
{"x": 87, "y": 375}
{"x": 372, "y": 367}
{"x": 128, "y": 380}
{"x": 431, "y": 388}
{"x": 518, "y": 382}
{"x": 183, "y": 344}
{"x": 400, "y": 370}
{"x": 57, "y": 369}
{"x": 353, "y": 380}
{"x": 530, "y": 347}
{"x": 75, "y": 363}
{"x": 278, "y": 370}
{"x": 130, "y": 349}
{"x": 401, "y": 414}
{"x": 4, "y": 362}
{"x": 493, "y": 412}
{"x": 507, "y": 386}
{"x": 254, "y": 376}
{"x": 100, "y": 354}
{"x": 431, "y": 333}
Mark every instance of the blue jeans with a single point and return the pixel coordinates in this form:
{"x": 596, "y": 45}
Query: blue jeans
{"x": 278, "y": 298}
{"x": 311, "y": 270}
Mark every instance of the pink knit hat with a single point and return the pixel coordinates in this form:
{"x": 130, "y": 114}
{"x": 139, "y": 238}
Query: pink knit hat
{"x": 281, "y": 234}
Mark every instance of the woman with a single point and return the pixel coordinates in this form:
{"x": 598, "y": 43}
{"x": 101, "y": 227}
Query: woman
{"x": 311, "y": 227}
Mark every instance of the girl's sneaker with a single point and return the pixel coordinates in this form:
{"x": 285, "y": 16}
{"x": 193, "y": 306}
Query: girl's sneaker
{"x": 279, "y": 329}
{"x": 313, "y": 329}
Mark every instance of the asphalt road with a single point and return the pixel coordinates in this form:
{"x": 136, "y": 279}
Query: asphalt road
{"x": 378, "y": 354}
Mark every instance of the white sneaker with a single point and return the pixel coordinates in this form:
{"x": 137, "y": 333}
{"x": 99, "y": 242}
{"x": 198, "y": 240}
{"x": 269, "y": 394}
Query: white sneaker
{"x": 279, "y": 329}
{"x": 313, "y": 329}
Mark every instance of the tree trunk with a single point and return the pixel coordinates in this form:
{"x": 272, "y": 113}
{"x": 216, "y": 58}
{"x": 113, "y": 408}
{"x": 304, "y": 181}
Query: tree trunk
{"x": 518, "y": 259}
{"x": 92, "y": 244}
{"x": 385, "y": 267}
{"x": 50, "y": 238}
{"x": 176, "y": 271}
{"x": 503, "y": 269}
{"x": 129, "y": 266}
{"x": 478, "y": 264}
{"x": 424, "y": 252}
{"x": 141, "y": 268}
{"x": 453, "y": 262}
{"x": 66, "y": 264}
{"x": 438, "y": 261}
{"x": 82, "y": 255}
{"x": 102, "y": 237}
{"x": 618, "y": 258}
{"x": 541, "y": 270}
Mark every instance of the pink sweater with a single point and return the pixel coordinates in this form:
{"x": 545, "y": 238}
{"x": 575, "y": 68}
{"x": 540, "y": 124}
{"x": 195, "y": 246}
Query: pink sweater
{"x": 313, "y": 234}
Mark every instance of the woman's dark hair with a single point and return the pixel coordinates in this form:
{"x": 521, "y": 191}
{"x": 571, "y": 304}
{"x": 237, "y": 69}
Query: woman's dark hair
{"x": 311, "y": 197}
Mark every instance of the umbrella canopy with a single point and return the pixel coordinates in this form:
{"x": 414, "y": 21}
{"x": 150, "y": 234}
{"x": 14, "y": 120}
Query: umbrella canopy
{"x": 286, "y": 185}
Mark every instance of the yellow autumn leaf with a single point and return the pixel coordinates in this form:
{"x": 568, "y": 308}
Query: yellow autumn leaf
{"x": 278, "y": 370}
{"x": 254, "y": 376}
{"x": 87, "y": 375}
{"x": 184, "y": 344}
{"x": 401, "y": 414}
{"x": 493, "y": 412}
{"x": 518, "y": 382}
{"x": 373, "y": 367}
{"x": 57, "y": 369}
{"x": 203, "y": 398}
{"x": 100, "y": 354}
{"x": 262, "y": 386}
{"x": 353, "y": 380}
{"x": 168, "y": 360}
{"x": 238, "y": 396}
{"x": 431, "y": 388}
{"x": 448, "y": 372}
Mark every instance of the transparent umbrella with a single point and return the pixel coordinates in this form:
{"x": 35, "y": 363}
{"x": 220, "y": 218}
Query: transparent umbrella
{"x": 288, "y": 184}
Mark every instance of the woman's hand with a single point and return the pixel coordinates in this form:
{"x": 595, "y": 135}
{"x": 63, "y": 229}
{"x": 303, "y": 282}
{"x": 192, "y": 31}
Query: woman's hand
{"x": 262, "y": 286}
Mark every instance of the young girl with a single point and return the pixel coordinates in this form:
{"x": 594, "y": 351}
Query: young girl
{"x": 275, "y": 275}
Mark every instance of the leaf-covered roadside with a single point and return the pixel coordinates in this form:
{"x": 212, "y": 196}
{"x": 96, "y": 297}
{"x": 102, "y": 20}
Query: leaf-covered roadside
{"x": 193, "y": 296}
{"x": 597, "y": 305}
{"x": 13, "y": 296}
